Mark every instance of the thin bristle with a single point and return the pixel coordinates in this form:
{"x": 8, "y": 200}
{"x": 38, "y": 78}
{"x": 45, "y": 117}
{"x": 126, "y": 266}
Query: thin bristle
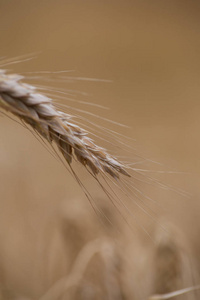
{"x": 38, "y": 111}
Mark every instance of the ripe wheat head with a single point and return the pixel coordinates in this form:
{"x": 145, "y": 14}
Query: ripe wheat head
{"x": 38, "y": 111}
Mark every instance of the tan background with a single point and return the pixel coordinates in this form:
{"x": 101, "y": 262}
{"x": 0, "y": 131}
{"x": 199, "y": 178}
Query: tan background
{"x": 150, "y": 50}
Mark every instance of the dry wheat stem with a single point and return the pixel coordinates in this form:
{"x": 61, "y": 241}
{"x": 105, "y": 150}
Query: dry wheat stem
{"x": 38, "y": 111}
{"x": 175, "y": 293}
{"x": 101, "y": 246}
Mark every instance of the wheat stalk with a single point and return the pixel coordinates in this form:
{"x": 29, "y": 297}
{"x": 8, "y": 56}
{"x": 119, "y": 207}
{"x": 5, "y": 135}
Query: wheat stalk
{"x": 105, "y": 248}
{"x": 38, "y": 111}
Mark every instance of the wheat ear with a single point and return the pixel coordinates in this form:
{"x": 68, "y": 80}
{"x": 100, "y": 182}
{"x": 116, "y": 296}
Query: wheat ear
{"x": 38, "y": 111}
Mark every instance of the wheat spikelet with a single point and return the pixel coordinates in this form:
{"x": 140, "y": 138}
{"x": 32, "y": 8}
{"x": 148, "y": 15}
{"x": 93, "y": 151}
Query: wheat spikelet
{"x": 38, "y": 111}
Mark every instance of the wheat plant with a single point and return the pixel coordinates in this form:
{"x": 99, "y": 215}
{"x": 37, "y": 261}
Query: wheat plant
{"x": 48, "y": 123}
{"x": 38, "y": 111}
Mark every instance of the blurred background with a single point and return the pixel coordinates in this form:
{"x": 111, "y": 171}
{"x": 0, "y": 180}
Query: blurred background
{"x": 149, "y": 53}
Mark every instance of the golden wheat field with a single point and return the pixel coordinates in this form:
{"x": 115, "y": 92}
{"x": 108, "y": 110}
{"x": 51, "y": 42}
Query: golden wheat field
{"x": 106, "y": 63}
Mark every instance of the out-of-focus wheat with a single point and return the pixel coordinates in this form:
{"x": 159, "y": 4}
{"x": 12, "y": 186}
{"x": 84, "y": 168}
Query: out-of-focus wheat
{"x": 38, "y": 111}
{"x": 174, "y": 269}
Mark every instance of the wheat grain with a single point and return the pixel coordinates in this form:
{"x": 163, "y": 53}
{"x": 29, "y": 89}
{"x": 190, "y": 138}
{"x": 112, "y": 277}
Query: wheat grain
{"x": 38, "y": 111}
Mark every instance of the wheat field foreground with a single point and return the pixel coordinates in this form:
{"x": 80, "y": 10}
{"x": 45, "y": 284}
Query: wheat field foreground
{"x": 99, "y": 173}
